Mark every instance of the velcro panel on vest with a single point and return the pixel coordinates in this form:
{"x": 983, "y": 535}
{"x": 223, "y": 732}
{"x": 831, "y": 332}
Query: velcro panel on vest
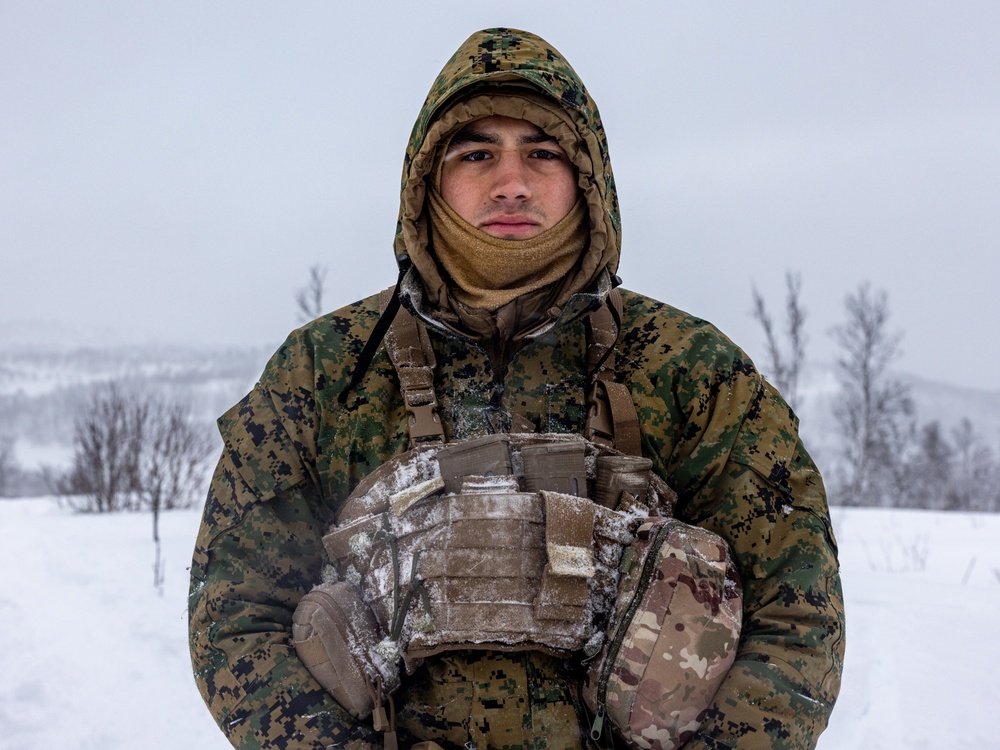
{"x": 485, "y": 456}
{"x": 569, "y": 536}
{"x": 555, "y": 467}
{"x": 488, "y": 537}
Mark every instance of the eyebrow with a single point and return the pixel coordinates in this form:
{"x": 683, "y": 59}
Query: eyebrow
{"x": 468, "y": 135}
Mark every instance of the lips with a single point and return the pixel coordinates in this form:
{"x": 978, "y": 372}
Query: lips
{"x": 509, "y": 224}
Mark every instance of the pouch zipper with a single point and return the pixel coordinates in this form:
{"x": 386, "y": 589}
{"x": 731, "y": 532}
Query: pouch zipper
{"x": 597, "y": 727}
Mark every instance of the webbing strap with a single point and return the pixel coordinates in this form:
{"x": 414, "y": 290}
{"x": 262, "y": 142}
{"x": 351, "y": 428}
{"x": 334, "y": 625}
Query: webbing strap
{"x": 611, "y": 416}
{"x": 410, "y": 350}
{"x": 602, "y": 334}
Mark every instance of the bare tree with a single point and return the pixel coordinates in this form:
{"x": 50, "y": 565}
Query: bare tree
{"x": 8, "y": 465}
{"x": 134, "y": 453}
{"x": 105, "y": 441}
{"x": 310, "y": 297}
{"x": 874, "y": 411}
{"x": 170, "y": 464}
{"x": 930, "y": 468}
{"x": 785, "y": 363}
{"x": 973, "y": 471}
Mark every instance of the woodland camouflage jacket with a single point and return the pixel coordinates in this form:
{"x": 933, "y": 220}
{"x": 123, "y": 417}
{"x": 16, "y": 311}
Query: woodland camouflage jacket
{"x": 714, "y": 429}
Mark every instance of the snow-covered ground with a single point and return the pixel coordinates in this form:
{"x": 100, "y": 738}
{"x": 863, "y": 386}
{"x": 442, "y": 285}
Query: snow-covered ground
{"x": 94, "y": 658}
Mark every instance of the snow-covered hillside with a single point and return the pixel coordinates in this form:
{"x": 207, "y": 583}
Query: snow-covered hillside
{"x": 93, "y": 658}
{"x": 44, "y": 386}
{"x": 943, "y": 403}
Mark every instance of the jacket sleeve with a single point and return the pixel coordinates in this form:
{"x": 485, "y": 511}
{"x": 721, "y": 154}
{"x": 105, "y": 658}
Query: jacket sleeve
{"x": 741, "y": 471}
{"x": 258, "y": 551}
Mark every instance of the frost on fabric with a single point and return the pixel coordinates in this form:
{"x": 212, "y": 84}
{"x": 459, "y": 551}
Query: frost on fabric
{"x": 477, "y": 484}
{"x": 566, "y": 560}
{"x": 360, "y": 543}
{"x": 594, "y": 643}
{"x": 446, "y": 559}
{"x": 329, "y": 575}
{"x": 387, "y": 649}
{"x": 351, "y": 575}
{"x": 403, "y": 500}
{"x": 375, "y": 491}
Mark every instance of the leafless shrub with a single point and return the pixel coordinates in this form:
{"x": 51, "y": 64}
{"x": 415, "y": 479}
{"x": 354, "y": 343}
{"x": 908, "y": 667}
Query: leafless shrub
{"x": 106, "y": 439}
{"x": 169, "y": 466}
{"x": 784, "y": 367}
{"x": 974, "y": 471}
{"x": 132, "y": 453}
{"x": 8, "y": 465}
{"x": 931, "y": 468}
{"x": 310, "y": 297}
{"x": 874, "y": 411}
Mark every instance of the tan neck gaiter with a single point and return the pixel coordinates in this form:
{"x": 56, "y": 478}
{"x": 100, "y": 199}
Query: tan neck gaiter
{"x": 488, "y": 272}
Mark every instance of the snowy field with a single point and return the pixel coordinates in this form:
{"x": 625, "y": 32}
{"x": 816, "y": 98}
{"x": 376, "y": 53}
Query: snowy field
{"x": 94, "y": 658}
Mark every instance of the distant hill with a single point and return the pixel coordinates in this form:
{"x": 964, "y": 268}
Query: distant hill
{"x": 933, "y": 402}
{"x": 43, "y": 386}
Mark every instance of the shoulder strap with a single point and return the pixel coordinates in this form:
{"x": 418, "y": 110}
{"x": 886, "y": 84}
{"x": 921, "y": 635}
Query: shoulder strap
{"x": 611, "y": 415}
{"x": 409, "y": 348}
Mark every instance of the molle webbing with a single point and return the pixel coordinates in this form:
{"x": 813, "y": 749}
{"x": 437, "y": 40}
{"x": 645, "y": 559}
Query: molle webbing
{"x": 449, "y": 558}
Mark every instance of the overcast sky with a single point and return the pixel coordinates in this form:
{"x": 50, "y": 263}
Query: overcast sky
{"x": 170, "y": 171}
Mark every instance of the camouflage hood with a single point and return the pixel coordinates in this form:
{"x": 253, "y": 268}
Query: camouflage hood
{"x": 516, "y": 74}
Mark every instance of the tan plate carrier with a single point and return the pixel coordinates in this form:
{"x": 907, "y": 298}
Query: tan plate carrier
{"x": 505, "y": 558}
{"x": 503, "y": 542}
{"x": 494, "y": 542}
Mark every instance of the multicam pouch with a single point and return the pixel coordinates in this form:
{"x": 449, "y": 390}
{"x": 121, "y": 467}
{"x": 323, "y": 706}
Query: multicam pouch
{"x": 672, "y": 638}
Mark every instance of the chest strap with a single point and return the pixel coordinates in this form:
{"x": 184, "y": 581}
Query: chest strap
{"x": 410, "y": 350}
{"x": 611, "y": 416}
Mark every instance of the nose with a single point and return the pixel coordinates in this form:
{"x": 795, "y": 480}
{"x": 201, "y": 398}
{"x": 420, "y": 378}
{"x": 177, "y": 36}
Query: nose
{"x": 511, "y": 179}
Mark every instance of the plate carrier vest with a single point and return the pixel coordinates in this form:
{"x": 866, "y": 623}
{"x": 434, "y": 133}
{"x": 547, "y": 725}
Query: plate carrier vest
{"x": 503, "y": 542}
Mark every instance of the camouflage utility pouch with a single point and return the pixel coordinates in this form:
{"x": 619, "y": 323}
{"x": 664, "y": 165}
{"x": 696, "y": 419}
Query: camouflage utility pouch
{"x": 672, "y": 637}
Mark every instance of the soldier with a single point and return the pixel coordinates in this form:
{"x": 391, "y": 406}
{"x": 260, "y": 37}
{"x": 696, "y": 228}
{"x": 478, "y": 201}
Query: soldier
{"x": 507, "y": 335}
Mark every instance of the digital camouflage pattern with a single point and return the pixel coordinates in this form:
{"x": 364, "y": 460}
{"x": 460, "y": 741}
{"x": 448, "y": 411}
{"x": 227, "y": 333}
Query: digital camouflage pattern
{"x": 492, "y": 700}
{"x": 672, "y": 639}
{"x": 713, "y": 428}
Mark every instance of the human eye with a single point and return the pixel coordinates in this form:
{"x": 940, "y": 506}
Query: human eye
{"x": 476, "y": 156}
{"x": 546, "y": 154}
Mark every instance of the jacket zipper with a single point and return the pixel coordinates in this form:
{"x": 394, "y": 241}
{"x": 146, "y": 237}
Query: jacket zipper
{"x": 649, "y": 563}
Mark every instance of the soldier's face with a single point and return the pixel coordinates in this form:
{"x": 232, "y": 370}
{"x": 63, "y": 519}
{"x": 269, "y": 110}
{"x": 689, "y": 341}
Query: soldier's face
{"x": 507, "y": 178}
